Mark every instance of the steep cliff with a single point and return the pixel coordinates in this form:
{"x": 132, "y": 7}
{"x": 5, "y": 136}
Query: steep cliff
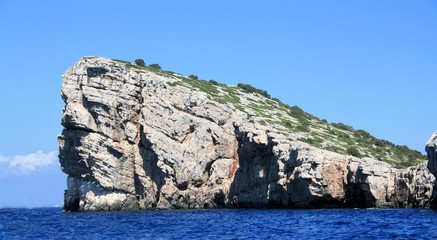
{"x": 431, "y": 150}
{"x": 141, "y": 138}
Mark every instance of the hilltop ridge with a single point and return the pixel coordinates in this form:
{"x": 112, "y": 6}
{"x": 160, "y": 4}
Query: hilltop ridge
{"x": 292, "y": 120}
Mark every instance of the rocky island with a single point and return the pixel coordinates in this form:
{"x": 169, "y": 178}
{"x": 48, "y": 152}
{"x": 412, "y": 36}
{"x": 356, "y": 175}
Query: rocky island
{"x": 137, "y": 137}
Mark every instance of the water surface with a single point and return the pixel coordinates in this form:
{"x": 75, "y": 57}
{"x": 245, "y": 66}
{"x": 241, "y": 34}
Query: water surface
{"x": 54, "y": 223}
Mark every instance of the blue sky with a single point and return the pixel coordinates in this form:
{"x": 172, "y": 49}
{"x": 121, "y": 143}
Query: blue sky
{"x": 368, "y": 64}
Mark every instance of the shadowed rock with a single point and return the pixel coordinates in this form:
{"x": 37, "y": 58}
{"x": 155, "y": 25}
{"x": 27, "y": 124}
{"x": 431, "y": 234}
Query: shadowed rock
{"x": 431, "y": 150}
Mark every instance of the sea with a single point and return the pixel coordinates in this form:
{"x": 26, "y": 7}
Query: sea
{"x": 54, "y": 223}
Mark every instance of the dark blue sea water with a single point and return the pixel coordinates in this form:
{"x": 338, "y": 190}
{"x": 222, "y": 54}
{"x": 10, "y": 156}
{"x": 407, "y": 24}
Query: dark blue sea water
{"x": 53, "y": 223}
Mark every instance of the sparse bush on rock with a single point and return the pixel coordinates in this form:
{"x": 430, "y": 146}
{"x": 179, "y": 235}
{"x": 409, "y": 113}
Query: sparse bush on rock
{"x": 213, "y": 82}
{"x": 354, "y": 152}
{"x": 250, "y": 88}
{"x": 140, "y": 62}
{"x": 155, "y": 66}
{"x": 194, "y": 77}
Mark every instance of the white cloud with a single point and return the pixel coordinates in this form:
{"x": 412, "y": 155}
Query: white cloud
{"x": 26, "y": 164}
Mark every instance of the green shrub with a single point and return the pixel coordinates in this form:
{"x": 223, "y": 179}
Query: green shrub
{"x": 302, "y": 128}
{"x": 213, "y": 82}
{"x": 155, "y": 66}
{"x": 251, "y": 89}
{"x": 297, "y": 113}
{"x": 363, "y": 134}
{"x": 140, "y": 62}
{"x": 343, "y": 126}
{"x": 277, "y": 100}
{"x": 333, "y": 149}
{"x": 287, "y": 123}
{"x": 353, "y": 151}
{"x": 315, "y": 141}
{"x": 194, "y": 77}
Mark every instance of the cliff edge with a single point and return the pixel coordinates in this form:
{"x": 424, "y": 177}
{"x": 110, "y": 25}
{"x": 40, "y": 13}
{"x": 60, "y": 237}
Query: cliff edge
{"x": 431, "y": 150}
{"x": 140, "y": 138}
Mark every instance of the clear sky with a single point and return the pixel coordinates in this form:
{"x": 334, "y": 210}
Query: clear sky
{"x": 371, "y": 64}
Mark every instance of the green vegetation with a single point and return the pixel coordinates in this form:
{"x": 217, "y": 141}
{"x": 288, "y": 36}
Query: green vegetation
{"x": 202, "y": 85}
{"x": 194, "y": 77}
{"x": 140, "y": 62}
{"x": 353, "y": 151}
{"x": 277, "y": 100}
{"x": 121, "y": 61}
{"x": 128, "y": 64}
{"x": 302, "y": 128}
{"x": 249, "y": 88}
{"x": 342, "y": 126}
{"x": 315, "y": 141}
{"x": 261, "y": 108}
{"x": 297, "y": 113}
{"x": 155, "y": 66}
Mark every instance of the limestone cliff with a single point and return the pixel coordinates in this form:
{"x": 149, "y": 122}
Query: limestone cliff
{"x": 431, "y": 150}
{"x": 139, "y": 138}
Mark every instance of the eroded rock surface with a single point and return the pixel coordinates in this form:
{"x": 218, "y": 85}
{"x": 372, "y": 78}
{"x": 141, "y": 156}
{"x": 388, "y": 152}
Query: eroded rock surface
{"x": 134, "y": 139}
{"x": 431, "y": 150}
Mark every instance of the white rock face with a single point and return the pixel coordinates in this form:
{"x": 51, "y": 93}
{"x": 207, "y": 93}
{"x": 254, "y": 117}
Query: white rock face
{"x": 431, "y": 150}
{"x": 134, "y": 139}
